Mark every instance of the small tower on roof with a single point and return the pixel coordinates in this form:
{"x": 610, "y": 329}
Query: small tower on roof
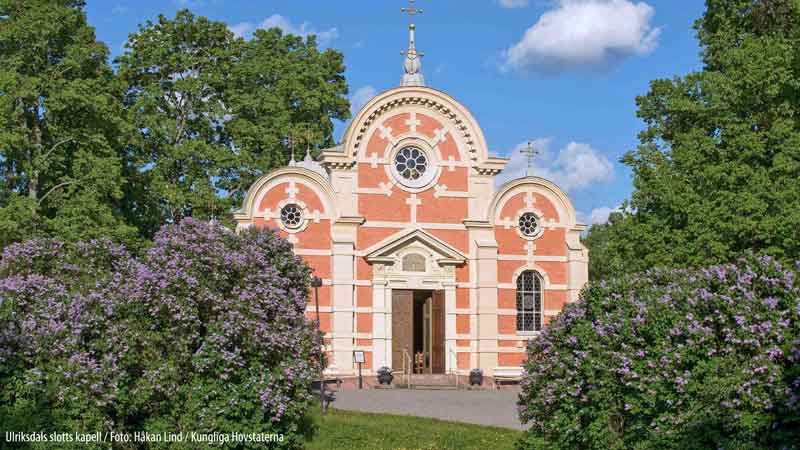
{"x": 413, "y": 63}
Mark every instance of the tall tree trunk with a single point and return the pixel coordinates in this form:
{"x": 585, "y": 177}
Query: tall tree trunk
{"x": 33, "y": 176}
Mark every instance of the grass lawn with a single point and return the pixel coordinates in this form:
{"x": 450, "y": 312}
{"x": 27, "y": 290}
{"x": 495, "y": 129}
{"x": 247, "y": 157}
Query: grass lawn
{"x": 346, "y": 430}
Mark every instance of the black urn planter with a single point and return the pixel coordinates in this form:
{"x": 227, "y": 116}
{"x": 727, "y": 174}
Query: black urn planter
{"x": 385, "y": 375}
{"x": 476, "y": 377}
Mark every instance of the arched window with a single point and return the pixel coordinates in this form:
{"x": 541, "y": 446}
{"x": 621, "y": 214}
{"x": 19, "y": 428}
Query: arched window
{"x": 529, "y": 301}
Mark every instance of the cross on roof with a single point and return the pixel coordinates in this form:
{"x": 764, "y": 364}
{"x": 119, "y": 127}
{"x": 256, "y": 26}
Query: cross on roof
{"x": 412, "y": 10}
{"x": 530, "y": 152}
{"x": 412, "y": 65}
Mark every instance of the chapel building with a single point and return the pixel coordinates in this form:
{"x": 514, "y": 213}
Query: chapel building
{"x": 420, "y": 253}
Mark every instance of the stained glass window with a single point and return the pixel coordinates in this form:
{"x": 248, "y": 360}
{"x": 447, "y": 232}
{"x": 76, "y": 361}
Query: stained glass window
{"x": 411, "y": 163}
{"x": 529, "y": 301}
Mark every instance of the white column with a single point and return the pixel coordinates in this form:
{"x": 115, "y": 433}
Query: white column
{"x": 578, "y": 265}
{"x": 379, "y": 325}
{"x": 487, "y": 306}
{"x": 387, "y": 301}
{"x": 343, "y": 308}
{"x": 451, "y": 361}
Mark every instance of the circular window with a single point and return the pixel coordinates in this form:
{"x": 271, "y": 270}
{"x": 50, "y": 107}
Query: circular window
{"x": 529, "y": 224}
{"x": 291, "y": 216}
{"x": 411, "y": 163}
{"x": 413, "y": 167}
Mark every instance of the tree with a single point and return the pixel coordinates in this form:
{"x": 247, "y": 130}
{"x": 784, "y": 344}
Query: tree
{"x": 716, "y": 172}
{"x": 212, "y": 112}
{"x": 59, "y": 126}
{"x": 606, "y": 258}
{"x": 284, "y": 86}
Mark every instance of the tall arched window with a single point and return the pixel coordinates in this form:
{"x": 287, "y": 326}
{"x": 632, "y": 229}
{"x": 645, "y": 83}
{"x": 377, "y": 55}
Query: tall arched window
{"x": 529, "y": 301}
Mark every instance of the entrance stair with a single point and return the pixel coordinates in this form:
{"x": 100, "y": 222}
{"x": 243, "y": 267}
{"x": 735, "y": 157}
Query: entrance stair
{"x": 437, "y": 382}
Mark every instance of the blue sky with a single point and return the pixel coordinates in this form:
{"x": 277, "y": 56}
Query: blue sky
{"x": 563, "y": 73}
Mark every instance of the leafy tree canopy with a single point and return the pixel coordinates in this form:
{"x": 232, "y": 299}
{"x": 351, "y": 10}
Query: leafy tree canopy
{"x": 192, "y": 116}
{"x": 60, "y": 121}
{"x": 716, "y": 172}
{"x": 212, "y": 112}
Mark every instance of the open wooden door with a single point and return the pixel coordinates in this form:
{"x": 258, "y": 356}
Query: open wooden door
{"x": 402, "y": 336}
{"x": 437, "y": 333}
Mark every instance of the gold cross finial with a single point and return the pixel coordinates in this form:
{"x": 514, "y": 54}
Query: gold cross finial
{"x": 412, "y": 65}
{"x": 412, "y": 10}
{"x": 530, "y": 152}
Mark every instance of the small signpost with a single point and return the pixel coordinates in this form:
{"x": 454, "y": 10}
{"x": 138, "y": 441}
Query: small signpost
{"x": 358, "y": 355}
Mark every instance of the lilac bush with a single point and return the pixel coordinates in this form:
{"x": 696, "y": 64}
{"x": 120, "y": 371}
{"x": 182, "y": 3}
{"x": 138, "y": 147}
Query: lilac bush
{"x": 207, "y": 333}
{"x": 671, "y": 360}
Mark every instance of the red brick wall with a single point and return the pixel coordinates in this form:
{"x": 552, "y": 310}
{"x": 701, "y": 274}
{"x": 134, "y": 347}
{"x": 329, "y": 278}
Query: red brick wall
{"x": 381, "y": 207}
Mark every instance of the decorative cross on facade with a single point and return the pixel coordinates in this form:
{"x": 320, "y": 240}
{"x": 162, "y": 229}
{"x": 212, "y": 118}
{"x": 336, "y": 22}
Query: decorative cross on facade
{"x": 414, "y": 202}
{"x": 530, "y": 152}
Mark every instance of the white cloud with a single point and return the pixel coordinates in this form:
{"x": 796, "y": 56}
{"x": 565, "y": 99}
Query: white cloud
{"x": 241, "y": 29}
{"x": 600, "y": 215}
{"x": 324, "y": 37}
{"x": 584, "y": 34}
{"x": 514, "y": 3}
{"x": 575, "y": 167}
{"x": 361, "y": 97}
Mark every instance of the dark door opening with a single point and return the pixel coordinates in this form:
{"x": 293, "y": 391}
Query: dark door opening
{"x": 418, "y": 327}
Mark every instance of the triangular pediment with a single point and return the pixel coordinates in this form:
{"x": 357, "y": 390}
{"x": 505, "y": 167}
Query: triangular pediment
{"x": 387, "y": 250}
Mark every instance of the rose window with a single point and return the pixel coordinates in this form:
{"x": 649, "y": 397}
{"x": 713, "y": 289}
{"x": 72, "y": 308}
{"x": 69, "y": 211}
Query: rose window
{"x": 529, "y": 224}
{"x": 411, "y": 163}
{"x": 291, "y": 216}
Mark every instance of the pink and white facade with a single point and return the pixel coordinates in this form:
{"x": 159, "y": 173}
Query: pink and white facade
{"x": 417, "y": 247}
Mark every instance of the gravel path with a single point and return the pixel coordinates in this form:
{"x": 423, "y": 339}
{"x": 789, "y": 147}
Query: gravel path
{"x": 496, "y": 408}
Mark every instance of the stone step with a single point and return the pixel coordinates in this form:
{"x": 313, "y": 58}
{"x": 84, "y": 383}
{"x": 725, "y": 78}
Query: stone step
{"x": 434, "y": 387}
{"x": 434, "y": 382}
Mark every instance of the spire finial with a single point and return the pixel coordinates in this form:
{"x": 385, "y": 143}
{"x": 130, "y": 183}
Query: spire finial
{"x": 290, "y": 141}
{"x": 530, "y": 152}
{"x": 413, "y": 64}
{"x": 309, "y": 137}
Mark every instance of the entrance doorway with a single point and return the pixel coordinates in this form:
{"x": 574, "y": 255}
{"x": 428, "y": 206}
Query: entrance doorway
{"x": 418, "y": 321}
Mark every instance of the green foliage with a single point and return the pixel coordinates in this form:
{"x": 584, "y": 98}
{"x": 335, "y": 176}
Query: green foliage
{"x": 673, "y": 359}
{"x": 212, "y": 112}
{"x": 60, "y": 121}
{"x": 205, "y": 334}
{"x": 716, "y": 172}
{"x": 306, "y": 89}
{"x": 192, "y": 117}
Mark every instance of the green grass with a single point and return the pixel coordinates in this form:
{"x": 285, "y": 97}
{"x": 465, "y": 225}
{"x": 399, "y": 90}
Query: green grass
{"x": 345, "y": 430}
